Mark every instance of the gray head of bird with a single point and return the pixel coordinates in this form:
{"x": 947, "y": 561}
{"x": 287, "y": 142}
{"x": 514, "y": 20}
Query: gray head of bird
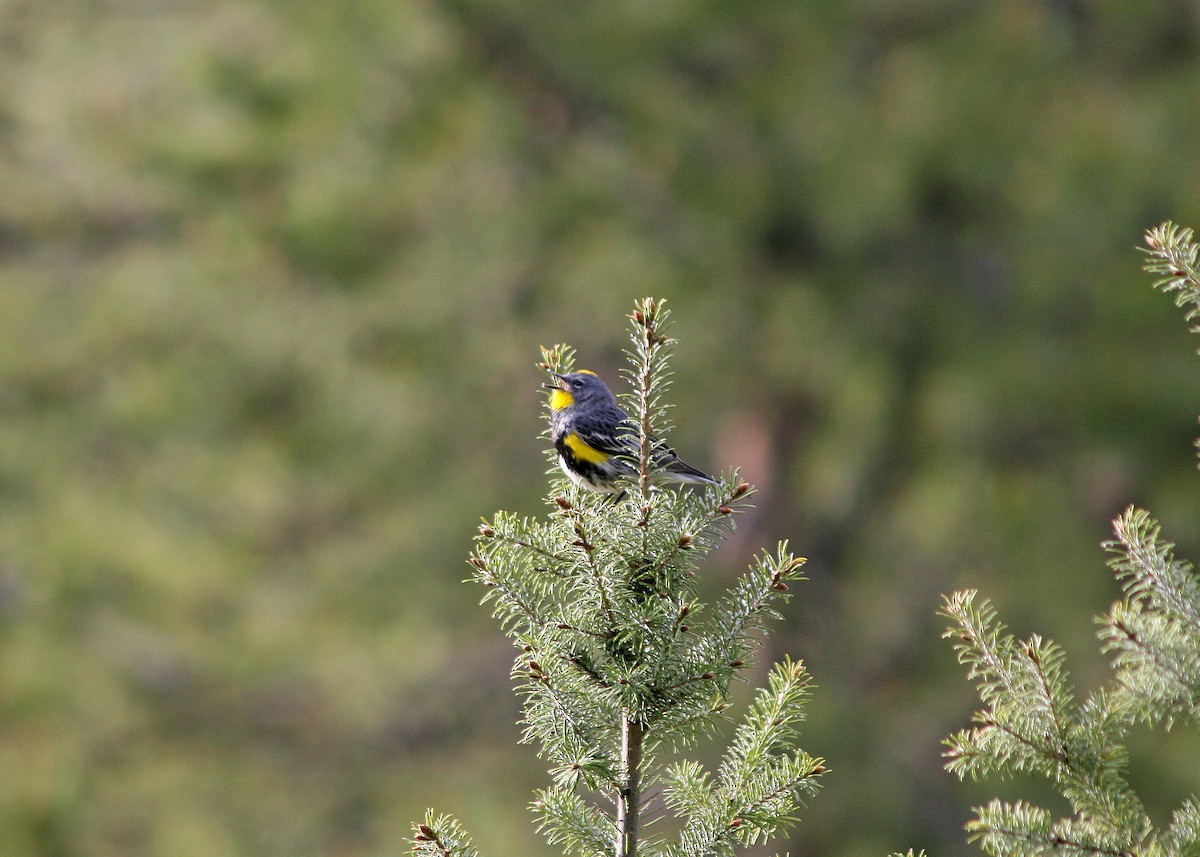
{"x": 582, "y": 387}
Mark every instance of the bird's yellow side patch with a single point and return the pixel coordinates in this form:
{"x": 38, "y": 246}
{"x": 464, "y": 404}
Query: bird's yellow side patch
{"x": 560, "y": 399}
{"x": 583, "y": 452}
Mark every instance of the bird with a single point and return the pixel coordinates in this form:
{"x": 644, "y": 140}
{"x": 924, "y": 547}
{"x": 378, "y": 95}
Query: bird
{"x": 594, "y": 438}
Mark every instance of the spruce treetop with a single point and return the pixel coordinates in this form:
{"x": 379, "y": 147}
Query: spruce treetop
{"x": 620, "y": 665}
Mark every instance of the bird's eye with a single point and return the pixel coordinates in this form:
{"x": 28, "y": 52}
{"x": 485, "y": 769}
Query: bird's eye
{"x": 577, "y": 383}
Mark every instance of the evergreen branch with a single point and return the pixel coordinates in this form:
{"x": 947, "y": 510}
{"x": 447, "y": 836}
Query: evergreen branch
{"x": 668, "y": 644}
{"x": 567, "y": 821}
{"x": 519, "y": 596}
{"x": 515, "y": 597}
{"x": 998, "y": 745}
{"x": 769, "y": 802}
{"x": 693, "y": 527}
{"x": 1149, "y": 571}
{"x": 982, "y": 646}
{"x": 726, "y": 640}
{"x": 441, "y": 836}
{"x": 1173, "y": 255}
{"x": 1032, "y": 724}
{"x": 525, "y": 534}
{"x": 588, "y": 548}
{"x": 1023, "y": 829}
{"x": 1046, "y": 662}
{"x": 1156, "y": 662}
{"x": 687, "y": 790}
{"x": 1030, "y": 721}
{"x": 599, "y": 635}
{"x": 692, "y": 679}
{"x": 650, "y": 382}
{"x": 703, "y": 530}
{"x": 540, "y": 551}
{"x": 1183, "y": 834}
{"x": 765, "y": 807}
{"x": 769, "y": 724}
{"x": 759, "y": 781}
{"x": 568, "y": 717}
{"x": 558, "y": 358}
{"x": 679, "y": 725}
{"x": 1155, "y": 631}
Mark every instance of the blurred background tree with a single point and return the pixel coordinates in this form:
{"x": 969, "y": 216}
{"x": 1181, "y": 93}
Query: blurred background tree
{"x": 274, "y": 276}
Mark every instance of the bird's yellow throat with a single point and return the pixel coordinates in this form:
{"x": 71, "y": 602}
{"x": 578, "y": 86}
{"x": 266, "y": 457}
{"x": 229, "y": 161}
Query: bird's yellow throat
{"x": 560, "y": 398}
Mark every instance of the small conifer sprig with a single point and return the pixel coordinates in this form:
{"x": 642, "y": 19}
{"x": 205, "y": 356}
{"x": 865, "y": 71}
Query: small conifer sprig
{"x": 1031, "y": 721}
{"x": 1033, "y": 724}
{"x": 621, "y": 666}
{"x": 1173, "y": 260}
{"x": 1153, "y": 634}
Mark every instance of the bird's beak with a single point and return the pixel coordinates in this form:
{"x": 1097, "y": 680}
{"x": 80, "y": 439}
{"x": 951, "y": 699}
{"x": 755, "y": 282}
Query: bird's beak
{"x": 559, "y": 386}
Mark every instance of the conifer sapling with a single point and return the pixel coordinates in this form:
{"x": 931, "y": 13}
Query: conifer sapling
{"x": 621, "y": 667}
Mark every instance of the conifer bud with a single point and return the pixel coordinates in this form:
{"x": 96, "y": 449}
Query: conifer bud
{"x": 535, "y": 666}
{"x": 563, "y": 502}
{"x": 486, "y": 531}
{"x": 544, "y": 365}
{"x": 425, "y": 833}
{"x": 737, "y": 663}
{"x": 725, "y": 510}
{"x": 638, "y": 317}
{"x": 741, "y": 489}
{"x": 707, "y": 677}
{"x": 735, "y": 824}
{"x": 685, "y": 541}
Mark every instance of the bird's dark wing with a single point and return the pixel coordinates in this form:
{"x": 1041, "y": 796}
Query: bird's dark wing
{"x": 608, "y": 430}
{"x": 611, "y": 431}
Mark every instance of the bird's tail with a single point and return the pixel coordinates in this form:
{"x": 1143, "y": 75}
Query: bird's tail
{"x": 678, "y": 470}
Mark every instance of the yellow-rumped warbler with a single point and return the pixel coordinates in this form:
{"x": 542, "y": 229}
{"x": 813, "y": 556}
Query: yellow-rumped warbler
{"x": 591, "y": 433}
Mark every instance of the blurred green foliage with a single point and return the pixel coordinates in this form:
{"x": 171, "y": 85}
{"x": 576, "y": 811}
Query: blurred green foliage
{"x": 274, "y": 275}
